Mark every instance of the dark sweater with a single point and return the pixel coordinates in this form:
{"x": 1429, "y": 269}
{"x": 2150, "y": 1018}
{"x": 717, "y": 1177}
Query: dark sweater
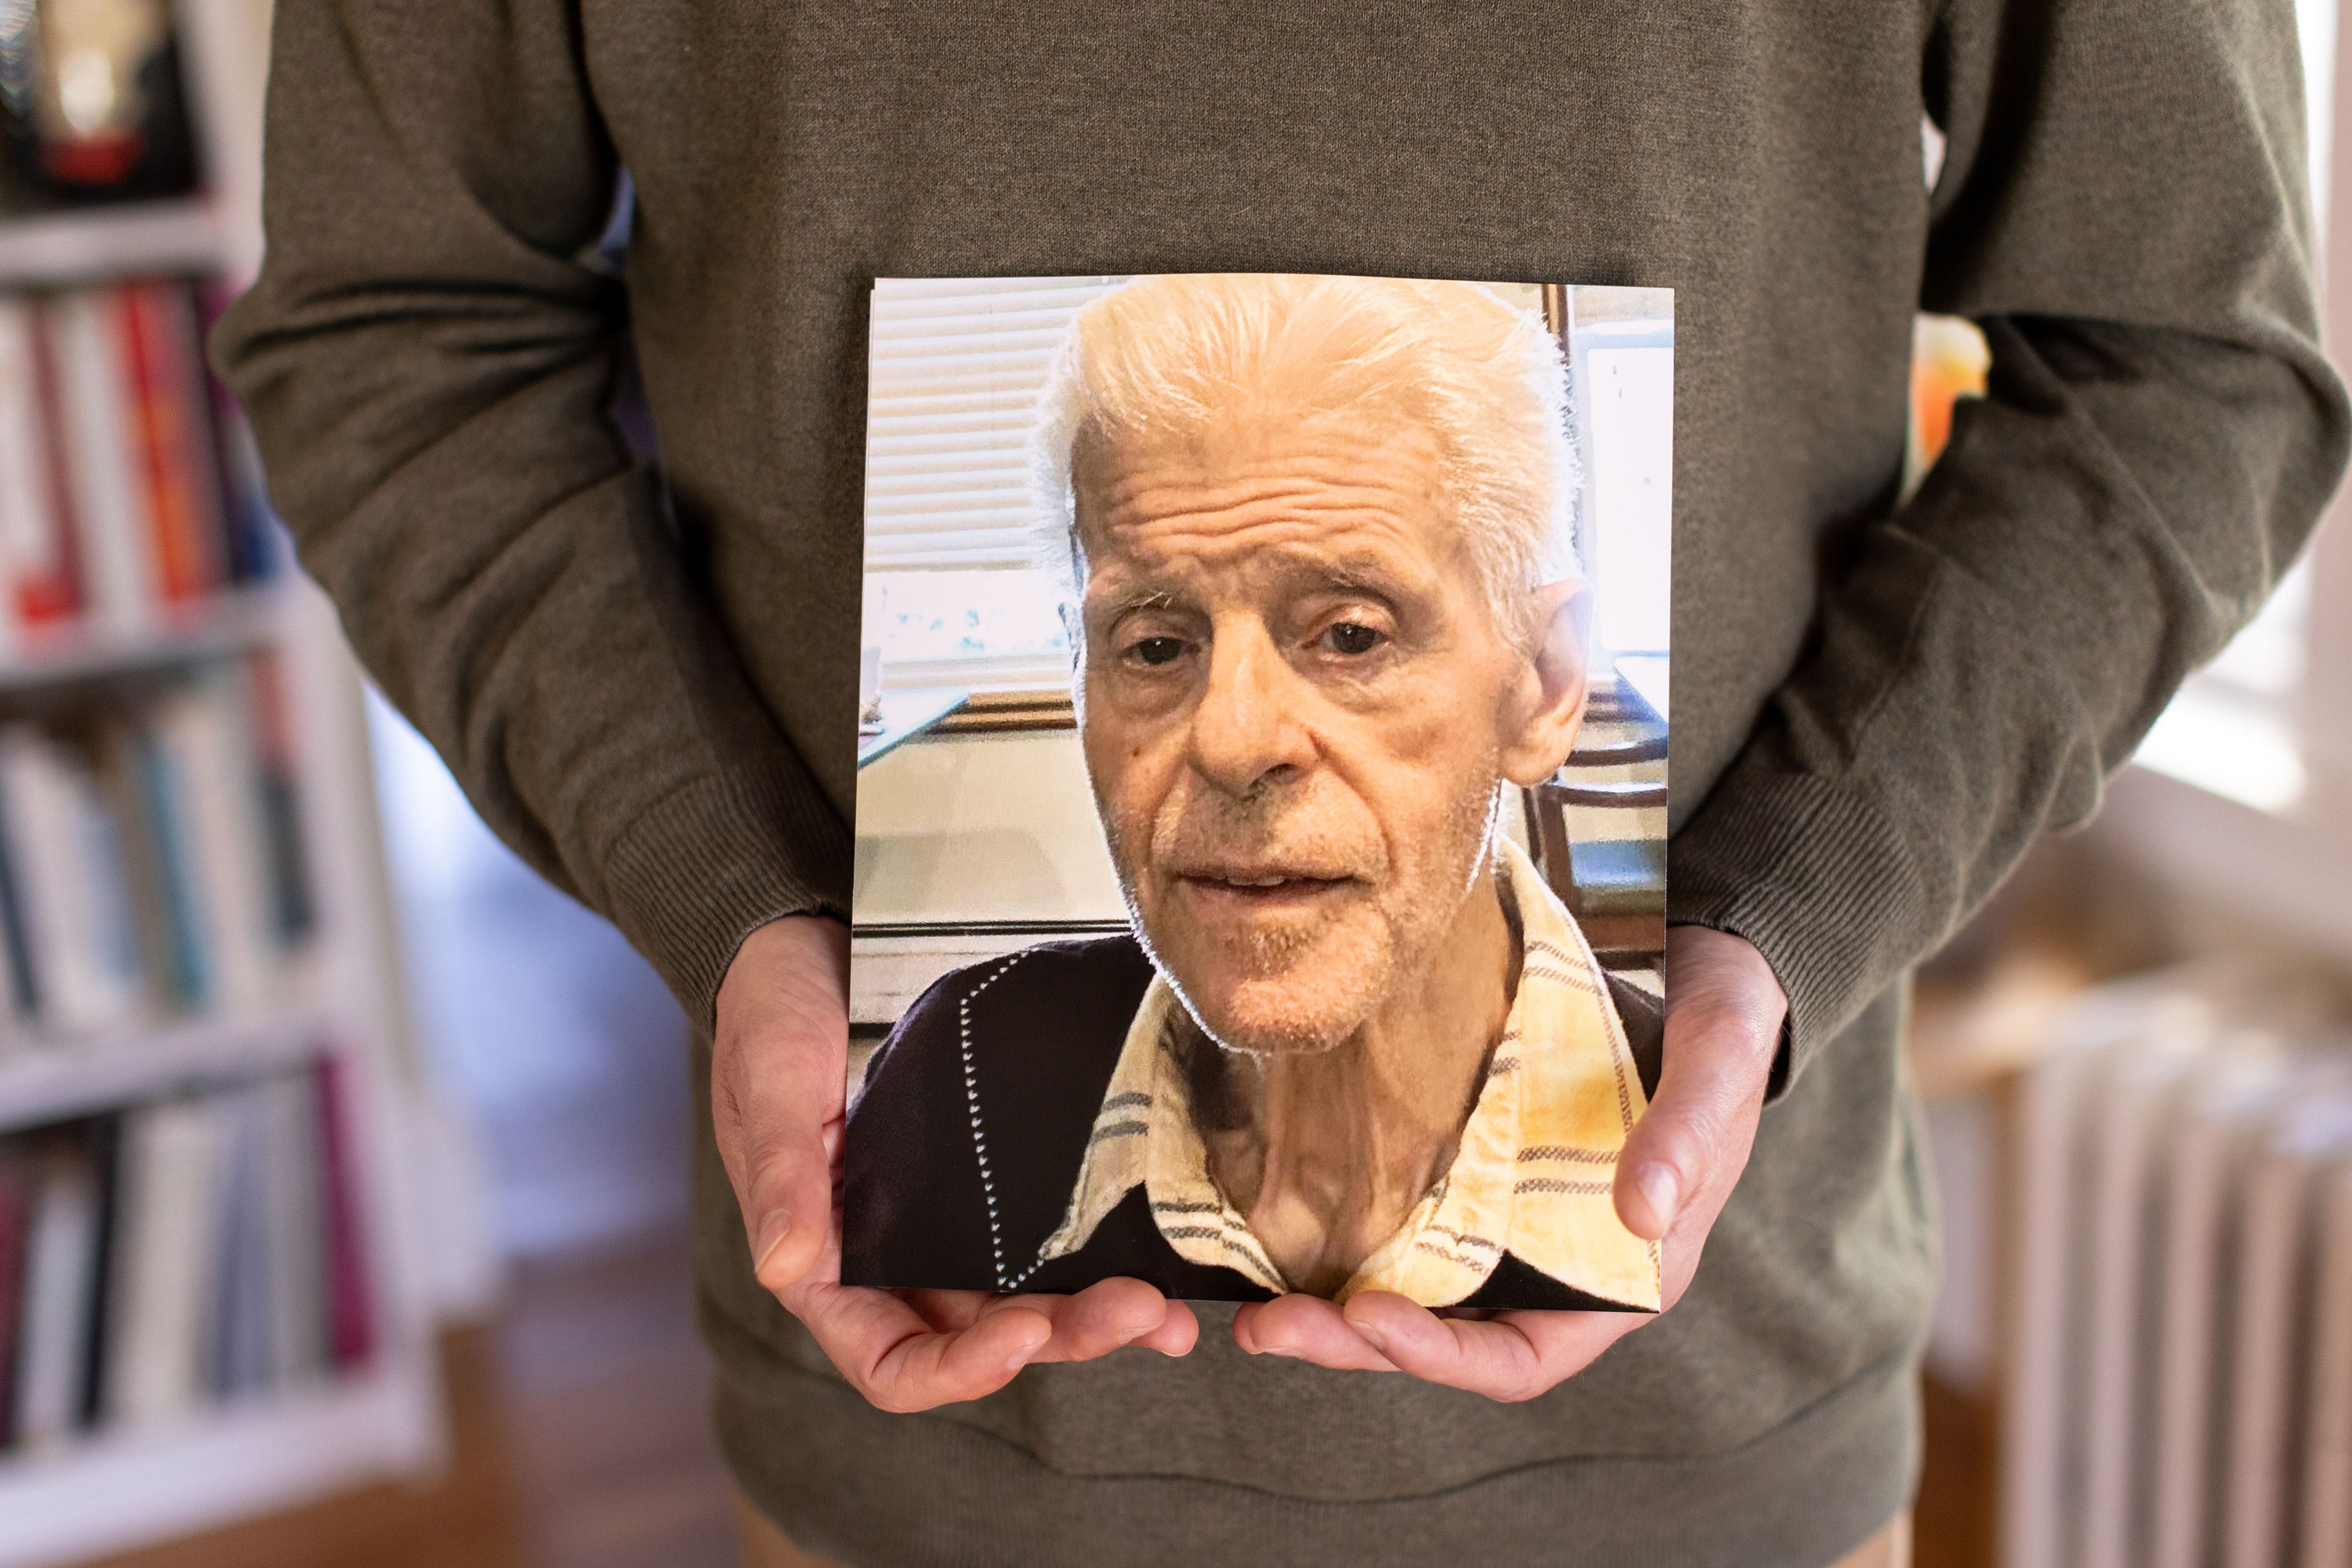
{"x": 647, "y": 682}
{"x": 1045, "y": 1047}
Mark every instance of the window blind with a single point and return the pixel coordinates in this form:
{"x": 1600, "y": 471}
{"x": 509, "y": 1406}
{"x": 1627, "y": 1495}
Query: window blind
{"x": 955, "y": 368}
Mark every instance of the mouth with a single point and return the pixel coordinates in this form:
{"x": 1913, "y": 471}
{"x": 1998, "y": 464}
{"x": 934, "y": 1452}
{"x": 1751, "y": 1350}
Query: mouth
{"x": 1248, "y": 888}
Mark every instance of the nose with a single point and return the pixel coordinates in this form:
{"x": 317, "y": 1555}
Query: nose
{"x": 1245, "y": 730}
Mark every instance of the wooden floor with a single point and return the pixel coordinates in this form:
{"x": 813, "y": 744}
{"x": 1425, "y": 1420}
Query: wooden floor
{"x": 582, "y": 1441}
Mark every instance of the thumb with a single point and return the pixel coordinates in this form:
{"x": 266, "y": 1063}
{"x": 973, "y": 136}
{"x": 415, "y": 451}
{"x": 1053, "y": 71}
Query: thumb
{"x": 778, "y": 1058}
{"x": 1724, "y": 1008}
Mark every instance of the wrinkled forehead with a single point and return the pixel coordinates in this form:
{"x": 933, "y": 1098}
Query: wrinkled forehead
{"x": 1264, "y": 490}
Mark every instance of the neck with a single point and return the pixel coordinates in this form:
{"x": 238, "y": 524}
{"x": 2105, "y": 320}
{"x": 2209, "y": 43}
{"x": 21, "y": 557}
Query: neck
{"x": 1325, "y": 1154}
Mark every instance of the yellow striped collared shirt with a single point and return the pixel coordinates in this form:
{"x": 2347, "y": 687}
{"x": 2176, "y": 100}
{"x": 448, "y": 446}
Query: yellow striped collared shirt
{"x": 1531, "y": 1177}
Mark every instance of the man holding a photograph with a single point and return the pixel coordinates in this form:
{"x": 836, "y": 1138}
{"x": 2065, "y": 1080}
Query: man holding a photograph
{"x": 1317, "y": 530}
{"x": 644, "y": 673}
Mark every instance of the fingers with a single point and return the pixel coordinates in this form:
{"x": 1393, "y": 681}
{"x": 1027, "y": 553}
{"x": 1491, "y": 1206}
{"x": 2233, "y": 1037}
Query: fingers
{"x": 1724, "y": 1009}
{"x": 1506, "y": 1356}
{"x": 900, "y": 1363}
{"x": 1307, "y": 1328}
{"x": 927, "y": 1348}
{"x": 778, "y": 1063}
{"x": 1510, "y": 1357}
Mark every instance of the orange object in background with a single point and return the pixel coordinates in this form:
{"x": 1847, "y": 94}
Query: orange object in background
{"x": 1948, "y": 362}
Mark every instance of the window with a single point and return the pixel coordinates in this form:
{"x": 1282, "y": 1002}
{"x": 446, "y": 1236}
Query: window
{"x": 2244, "y": 727}
{"x": 953, "y": 594}
{"x": 952, "y": 591}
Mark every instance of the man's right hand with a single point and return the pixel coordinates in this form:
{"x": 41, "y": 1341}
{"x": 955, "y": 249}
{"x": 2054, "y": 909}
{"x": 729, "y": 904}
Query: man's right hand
{"x": 778, "y": 1090}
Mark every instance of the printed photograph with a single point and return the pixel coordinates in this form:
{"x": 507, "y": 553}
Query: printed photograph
{"x": 1260, "y": 877}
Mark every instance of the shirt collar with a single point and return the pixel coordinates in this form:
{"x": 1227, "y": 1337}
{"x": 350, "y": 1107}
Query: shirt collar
{"x": 1531, "y": 1177}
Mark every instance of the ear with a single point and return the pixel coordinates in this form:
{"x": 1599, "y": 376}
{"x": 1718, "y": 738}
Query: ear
{"x": 1546, "y": 706}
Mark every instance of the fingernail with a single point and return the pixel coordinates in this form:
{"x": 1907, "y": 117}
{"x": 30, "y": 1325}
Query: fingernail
{"x": 1284, "y": 1351}
{"x": 1373, "y": 1338}
{"x": 773, "y": 1231}
{"x": 1661, "y": 1190}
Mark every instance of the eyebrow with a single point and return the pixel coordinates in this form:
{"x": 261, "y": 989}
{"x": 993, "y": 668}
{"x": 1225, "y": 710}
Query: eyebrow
{"x": 1143, "y": 599}
{"x": 1376, "y": 581}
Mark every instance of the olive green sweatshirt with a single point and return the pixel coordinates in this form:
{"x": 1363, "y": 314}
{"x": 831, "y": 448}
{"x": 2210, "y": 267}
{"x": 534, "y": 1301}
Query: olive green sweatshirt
{"x": 645, "y": 675}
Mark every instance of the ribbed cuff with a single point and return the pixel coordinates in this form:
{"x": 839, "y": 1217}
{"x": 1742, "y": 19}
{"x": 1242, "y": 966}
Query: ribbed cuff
{"x": 1806, "y": 869}
{"x": 714, "y": 861}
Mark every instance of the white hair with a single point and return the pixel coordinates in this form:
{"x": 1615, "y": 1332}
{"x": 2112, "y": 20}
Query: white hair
{"x": 1183, "y": 350}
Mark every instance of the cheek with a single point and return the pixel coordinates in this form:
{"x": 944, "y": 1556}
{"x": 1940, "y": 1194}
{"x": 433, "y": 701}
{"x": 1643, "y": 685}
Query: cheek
{"x": 1132, "y": 768}
{"x": 1418, "y": 779}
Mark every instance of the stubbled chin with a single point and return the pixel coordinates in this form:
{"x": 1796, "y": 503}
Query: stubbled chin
{"x": 1284, "y": 991}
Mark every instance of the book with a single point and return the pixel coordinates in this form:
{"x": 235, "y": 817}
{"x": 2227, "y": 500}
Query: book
{"x": 141, "y": 799}
{"x": 171, "y": 1227}
{"x": 267, "y": 707}
{"x": 109, "y": 503}
{"x": 237, "y": 1355}
{"x": 102, "y": 1139}
{"x": 17, "y": 1205}
{"x": 20, "y": 997}
{"x": 68, "y": 870}
{"x": 350, "y": 1289}
{"x": 38, "y": 590}
{"x": 171, "y": 437}
{"x": 60, "y": 1278}
{"x": 206, "y": 779}
{"x": 251, "y": 536}
{"x": 293, "y": 1184}
{"x": 1249, "y": 543}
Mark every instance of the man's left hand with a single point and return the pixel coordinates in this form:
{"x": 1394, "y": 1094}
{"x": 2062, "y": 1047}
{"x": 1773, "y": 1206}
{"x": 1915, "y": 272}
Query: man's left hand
{"x": 1724, "y": 1009}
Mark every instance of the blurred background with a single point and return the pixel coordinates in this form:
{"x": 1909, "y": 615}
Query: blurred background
{"x": 342, "y": 1163}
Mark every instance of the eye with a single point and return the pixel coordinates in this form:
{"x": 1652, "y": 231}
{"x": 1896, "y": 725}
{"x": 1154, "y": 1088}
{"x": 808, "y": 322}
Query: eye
{"x": 1349, "y": 637}
{"x": 1158, "y": 650}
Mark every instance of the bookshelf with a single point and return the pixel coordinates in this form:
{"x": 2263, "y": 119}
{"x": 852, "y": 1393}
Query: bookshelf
{"x": 327, "y": 1036}
{"x": 172, "y": 236}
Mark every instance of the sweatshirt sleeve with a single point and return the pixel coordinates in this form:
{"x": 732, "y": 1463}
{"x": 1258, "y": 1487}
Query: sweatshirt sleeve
{"x": 428, "y": 359}
{"x": 2122, "y": 210}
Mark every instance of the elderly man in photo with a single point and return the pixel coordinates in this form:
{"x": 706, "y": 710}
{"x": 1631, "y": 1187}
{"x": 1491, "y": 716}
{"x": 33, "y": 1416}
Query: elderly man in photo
{"x": 1316, "y": 526}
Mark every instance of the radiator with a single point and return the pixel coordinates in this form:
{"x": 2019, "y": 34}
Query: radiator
{"x": 2176, "y": 1383}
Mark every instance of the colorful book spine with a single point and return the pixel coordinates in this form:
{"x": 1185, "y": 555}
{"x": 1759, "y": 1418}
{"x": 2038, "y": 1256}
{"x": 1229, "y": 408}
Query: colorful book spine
{"x": 250, "y": 533}
{"x": 351, "y": 1308}
{"x": 21, "y": 993}
{"x": 130, "y": 492}
{"x": 66, "y": 861}
{"x": 16, "y": 1228}
{"x": 272, "y": 729}
{"x": 189, "y": 1251}
{"x": 204, "y": 754}
{"x": 107, "y": 479}
{"x": 165, "y": 395}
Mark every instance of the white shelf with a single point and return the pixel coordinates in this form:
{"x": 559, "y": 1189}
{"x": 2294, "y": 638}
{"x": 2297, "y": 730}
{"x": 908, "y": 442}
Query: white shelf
{"x": 188, "y": 235}
{"x": 119, "y": 1490}
{"x": 115, "y": 1491}
{"x": 243, "y": 618}
{"x": 55, "y": 1081}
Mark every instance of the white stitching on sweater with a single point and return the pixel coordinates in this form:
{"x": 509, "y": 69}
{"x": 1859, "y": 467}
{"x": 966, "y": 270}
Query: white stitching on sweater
{"x": 978, "y": 1138}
